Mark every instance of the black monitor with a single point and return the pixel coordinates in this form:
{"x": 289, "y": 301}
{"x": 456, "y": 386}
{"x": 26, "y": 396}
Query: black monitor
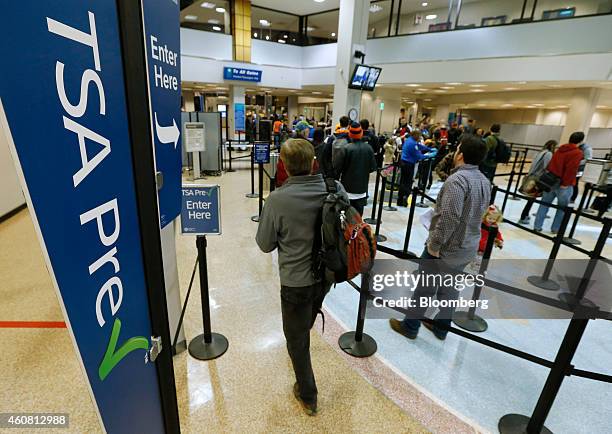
{"x": 364, "y": 77}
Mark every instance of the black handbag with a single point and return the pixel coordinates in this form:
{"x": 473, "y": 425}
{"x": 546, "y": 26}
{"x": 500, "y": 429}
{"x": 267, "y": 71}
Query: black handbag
{"x": 548, "y": 181}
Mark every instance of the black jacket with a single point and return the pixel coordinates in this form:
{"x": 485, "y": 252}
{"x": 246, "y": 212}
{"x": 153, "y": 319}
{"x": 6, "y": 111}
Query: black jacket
{"x": 358, "y": 163}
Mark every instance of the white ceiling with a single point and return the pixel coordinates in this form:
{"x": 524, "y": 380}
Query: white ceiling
{"x": 298, "y": 7}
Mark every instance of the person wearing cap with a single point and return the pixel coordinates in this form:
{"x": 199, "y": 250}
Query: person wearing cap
{"x": 302, "y": 130}
{"x": 357, "y": 164}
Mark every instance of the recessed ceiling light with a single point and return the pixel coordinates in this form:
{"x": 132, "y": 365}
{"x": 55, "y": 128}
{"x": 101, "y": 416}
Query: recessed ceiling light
{"x": 220, "y": 10}
{"x": 510, "y": 88}
{"x": 317, "y": 93}
{"x": 319, "y": 1}
{"x": 539, "y": 105}
{"x": 282, "y": 41}
{"x": 439, "y": 91}
{"x": 530, "y": 106}
{"x": 375, "y": 8}
{"x": 285, "y": 36}
{"x": 424, "y": 4}
{"x": 216, "y": 28}
{"x": 507, "y": 105}
{"x": 255, "y": 34}
{"x": 208, "y": 5}
{"x": 478, "y": 85}
{"x": 413, "y": 85}
{"x": 267, "y": 37}
{"x": 446, "y": 87}
{"x": 213, "y": 21}
{"x": 454, "y": 84}
{"x": 191, "y": 17}
{"x": 431, "y": 17}
{"x": 333, "y": 34}
{"x": 422, "y": 90}
{"x": 264, "y": 23}
{"x": 427, "y": 99}
{"x": 481, "y": 105}
{"x": 477, "y": 90}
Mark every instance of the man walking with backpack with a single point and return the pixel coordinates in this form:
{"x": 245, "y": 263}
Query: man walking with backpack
{"x": 357, "y": 163}
{"x": 497, "y": 152}
{"x": 334, "y": 148}
{"x": 289, "y": 223}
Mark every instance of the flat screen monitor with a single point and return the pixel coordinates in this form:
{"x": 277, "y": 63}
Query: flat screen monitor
{"x": 364, "y": 77}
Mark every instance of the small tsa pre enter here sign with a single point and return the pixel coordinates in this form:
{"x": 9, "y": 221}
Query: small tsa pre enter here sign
{"x": 201, "y": 213}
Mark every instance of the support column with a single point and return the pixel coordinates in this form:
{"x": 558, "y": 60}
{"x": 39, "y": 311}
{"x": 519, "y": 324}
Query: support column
{"x": 241, "y": 26}
{"x": 352, "y": 36}
{"x": 236, "y": 96}
{"x": 292, "y": 107}
{"x": 580, "y": 114}
{"x": 385, "y": 120}
{"x": 442, "y": 112}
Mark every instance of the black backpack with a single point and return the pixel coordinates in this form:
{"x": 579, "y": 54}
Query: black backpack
{"x": 501, "y": 153}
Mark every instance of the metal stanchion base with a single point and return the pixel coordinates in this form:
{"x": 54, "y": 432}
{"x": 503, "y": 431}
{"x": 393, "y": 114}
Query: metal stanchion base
{"x": 389, "y": 208}
{"x": 476, "y": 324}
{"x": 549, "y": 285}
{"x": 371, "y": 221}
{"x": 569, "y": 298}
{"x": 204, "y": 351}
{"x": 365, "y": 348}
{"x": 516, "y": 424}
{"x": 380, "y": 238}
{"x": 255, "y": 218}
{"x": 230, "y": 170}
{"x": 572, "y": 240}
{"x": 251, "y": 195}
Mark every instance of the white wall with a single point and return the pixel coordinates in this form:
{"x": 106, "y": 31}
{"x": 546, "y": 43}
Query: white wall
{"x": 11, "y": 195}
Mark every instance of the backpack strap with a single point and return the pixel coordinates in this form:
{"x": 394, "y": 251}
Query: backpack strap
{"x": 330, "y": 184}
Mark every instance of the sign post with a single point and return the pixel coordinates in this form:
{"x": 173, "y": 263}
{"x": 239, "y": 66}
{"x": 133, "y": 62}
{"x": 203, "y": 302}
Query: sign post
{"x": 99, "y": 229}
{"x": 200, "y": 216}
{"x": 162, "y": 42}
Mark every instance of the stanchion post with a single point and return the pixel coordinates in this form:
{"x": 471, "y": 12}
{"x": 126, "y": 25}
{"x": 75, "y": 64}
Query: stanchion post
{"x": 422, "y": 203}
{"x": 544, "y": 281}
{"x": 252, "y": 194}
{"x": 578, "y": 298}
{"x": 255, "y": 218}
{"x": 413, "y": 200}
{"x": 493, "y": 195}
{"x": 229, "y": 150}
{"x": 358, "y": 343}
{"x": 520, "y": 174}
{"x": 517, "y": 423}
{"x": 570, "y": 237}
{"x": 380, "y": 238}
{"x": 208, "y": 345}
{"x": 390, "y": 207}
{"x": 372, "y": 220}
{"x": 468, "y": 320}
{"x": 507, "y": 191}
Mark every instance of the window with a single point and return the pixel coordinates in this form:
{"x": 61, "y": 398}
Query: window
{"x": 274, "y": 26}
{"x": 210, "y": 16}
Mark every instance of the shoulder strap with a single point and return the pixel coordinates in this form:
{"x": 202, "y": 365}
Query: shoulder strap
{"x": 330, "y": 184}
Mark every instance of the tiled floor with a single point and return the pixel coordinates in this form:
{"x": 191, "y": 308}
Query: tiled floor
{"x": 420, "y": 386}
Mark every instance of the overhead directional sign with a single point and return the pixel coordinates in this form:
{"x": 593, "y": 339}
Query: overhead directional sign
{"x": 77, "y": 173}
{"x": 201, "y": 214}
{"x": 241, "y": 74}
{"x": 162, "y": 31}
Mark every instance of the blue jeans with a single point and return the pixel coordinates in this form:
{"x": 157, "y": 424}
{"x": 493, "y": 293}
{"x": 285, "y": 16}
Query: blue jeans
{"x": 563, "y": 196}
{"x": 412, "y": 321}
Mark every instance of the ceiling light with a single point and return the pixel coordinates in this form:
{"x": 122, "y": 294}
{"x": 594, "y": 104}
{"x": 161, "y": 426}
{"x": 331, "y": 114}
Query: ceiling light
{"x": 424, "y": 4}
{"x": 413, "y": 85}
{"x": 213, "y": 21}
{"x": 255, "y": 34}
{"x": 375, "y": 8}
{"x": 319, "y": 1}
{"x": 539, "y": 105}
{"x": 267, "y": 38}
{"x": 422, "y": 90}
{"x": 427, "y": 99}
{"x": 530, "y": 106}
{"x": 602, "y": 107}
{"x": 220, "y": 10}
{"x": 477, "y": 90}
{"x": 208, "y": 5}
{"x": 333, "y": 35}
{"x": 216, "y": 28}
{"x": 431, "y": 17}
{"x": 316, "y": 93}
{"x": 507, "y": 105}
{"x": 264, "y": 23}
{"x": 481, "y": 105}
{"x": 521, "y": 82}
{"x": 446, "y": 87}
{"x": 510, "y": 88}
{"x": 454, "y": 84}
{"x": 310, "y": 28}
{"x": 439, "y": 91}
{"x": 478, "y": 85}
{"x": 191, "y": 17}
{"x": 282, "y": 41}
{"x": 285, "y": 36}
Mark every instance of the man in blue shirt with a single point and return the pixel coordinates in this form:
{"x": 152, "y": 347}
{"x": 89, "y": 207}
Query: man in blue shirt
{"x": 412, "y": 152}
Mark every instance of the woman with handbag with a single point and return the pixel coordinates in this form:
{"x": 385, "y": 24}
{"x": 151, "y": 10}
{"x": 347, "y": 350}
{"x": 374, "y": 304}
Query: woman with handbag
{"x": 538, "y": 167}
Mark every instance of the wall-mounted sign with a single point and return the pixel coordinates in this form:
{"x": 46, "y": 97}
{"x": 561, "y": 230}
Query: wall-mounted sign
{"x": 241, "y": 74}
{"x": 239, "y": 121}
{"x": 194, "y": 135}
{"x": 201, "y": 213}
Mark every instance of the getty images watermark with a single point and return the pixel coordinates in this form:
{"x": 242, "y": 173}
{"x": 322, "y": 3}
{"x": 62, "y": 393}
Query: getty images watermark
{"x": 399, "y": 287}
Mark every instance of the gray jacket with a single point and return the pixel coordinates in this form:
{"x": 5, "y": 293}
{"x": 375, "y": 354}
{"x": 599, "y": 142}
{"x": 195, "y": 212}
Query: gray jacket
{"x": 288, "y": 221}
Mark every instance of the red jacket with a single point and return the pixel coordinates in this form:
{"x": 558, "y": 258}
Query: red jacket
{"x": 484, "y": 236}
{"x": 565, "y": 162}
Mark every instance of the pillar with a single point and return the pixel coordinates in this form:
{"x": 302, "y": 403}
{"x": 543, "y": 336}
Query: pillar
{"x": 383, "y": 120}
{"x": 580, "y": 113}
{"x": 241, "y": 29}
{"x": 236, "y": 96}
{"x": 352, "y": 36}
{"x": 292, "y": 107}
{"x": 442, "y": 112}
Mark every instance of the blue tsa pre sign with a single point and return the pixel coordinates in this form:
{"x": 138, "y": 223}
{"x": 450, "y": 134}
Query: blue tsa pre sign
{"x": 162, "y": 35}
{"x": 261, "y": 153}
{"x": 201, "y": 213}
{"x": 77, "y": 174}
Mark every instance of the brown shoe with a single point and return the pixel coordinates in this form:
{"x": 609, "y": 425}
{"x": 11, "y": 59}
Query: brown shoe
{"x": 429, "y": 326}
{"x": 309, "y": 409}
{"x": 396, "y": 326}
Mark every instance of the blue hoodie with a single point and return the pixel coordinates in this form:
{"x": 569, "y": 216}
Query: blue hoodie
{"x": 412, "y": 151}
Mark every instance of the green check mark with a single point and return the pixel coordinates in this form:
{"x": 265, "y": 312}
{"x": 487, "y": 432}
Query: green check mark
{"x": 112, "y": 357}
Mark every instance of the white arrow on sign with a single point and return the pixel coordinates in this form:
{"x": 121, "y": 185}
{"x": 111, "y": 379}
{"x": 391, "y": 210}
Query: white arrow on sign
{"x": 167, "y": 134}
